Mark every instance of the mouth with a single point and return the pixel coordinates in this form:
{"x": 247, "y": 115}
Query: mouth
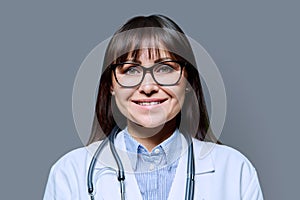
{"x": 149, "y": 102}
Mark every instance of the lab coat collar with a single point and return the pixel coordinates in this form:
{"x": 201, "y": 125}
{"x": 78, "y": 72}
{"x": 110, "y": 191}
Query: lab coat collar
{"x": 202, "y": 153}
{"x": 204, "y": 162}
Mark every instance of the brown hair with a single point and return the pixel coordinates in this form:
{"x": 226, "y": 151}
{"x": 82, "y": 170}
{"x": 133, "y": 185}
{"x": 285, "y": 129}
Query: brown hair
{"x": 153, "y": 32}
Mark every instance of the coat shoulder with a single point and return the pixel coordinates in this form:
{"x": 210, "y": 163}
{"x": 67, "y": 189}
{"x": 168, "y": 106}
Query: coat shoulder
{"x": 224, "y": 157}
{"x": 218, "y": 151}
{"x": 75, "y": 158}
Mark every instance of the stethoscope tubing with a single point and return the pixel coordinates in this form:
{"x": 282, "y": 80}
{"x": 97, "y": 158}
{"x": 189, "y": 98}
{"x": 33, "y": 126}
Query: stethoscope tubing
{"x": 121, "y": 173}
{"x": 90, "y": 185}
{"x": 190, "y": 181}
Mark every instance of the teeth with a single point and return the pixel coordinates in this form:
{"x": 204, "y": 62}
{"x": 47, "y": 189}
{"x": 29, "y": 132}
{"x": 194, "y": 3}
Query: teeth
{"x": 148, "y": 103}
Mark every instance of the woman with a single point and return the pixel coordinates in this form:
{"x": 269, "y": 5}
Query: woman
{"x": 150, "y": 89}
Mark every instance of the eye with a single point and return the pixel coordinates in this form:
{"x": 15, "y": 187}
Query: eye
{"x": 130, "y": 69}
{"x": 164, "y": 69}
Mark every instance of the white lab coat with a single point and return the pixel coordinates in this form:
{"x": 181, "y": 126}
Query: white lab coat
{"x": 221, "y": 173}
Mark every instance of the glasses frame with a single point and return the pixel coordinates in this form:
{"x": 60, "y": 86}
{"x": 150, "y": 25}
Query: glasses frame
{"x": 146, "y": 69}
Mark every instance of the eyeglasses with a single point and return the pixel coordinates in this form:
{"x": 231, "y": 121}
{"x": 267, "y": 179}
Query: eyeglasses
{"x": 131, "y": 74}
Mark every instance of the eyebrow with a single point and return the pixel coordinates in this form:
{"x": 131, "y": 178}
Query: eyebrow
{"x": 155, "y": 61}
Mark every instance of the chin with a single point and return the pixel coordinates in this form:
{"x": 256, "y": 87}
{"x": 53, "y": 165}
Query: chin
{"x": 150, "y": 122}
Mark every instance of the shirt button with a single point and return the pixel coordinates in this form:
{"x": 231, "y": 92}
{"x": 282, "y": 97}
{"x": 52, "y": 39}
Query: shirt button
{"x": 151, "y": 167}
{"x": 156, "y": 151}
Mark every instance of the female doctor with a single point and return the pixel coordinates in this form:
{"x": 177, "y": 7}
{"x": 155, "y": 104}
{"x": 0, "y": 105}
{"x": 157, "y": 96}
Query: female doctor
{"x": 151, "y": 117}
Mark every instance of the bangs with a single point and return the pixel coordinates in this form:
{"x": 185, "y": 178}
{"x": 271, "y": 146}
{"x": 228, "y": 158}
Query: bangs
{"x": 149, "y": 53}
{"x": 156, "y": 43}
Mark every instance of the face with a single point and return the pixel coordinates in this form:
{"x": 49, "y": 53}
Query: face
{"x": 150, "y": 105}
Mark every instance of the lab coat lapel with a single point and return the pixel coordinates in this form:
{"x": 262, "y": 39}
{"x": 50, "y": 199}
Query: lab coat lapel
{"x": 177, "y": 190}
{"x": 203, "y": 158}
{"x": 203, "y": 164}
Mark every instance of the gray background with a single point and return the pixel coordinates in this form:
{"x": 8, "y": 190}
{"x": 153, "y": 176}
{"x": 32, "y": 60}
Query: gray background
{"x": 255, "y": 44}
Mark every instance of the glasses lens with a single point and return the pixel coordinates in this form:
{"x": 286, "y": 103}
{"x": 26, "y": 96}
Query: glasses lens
{"x": 129, "y": 74}
{"x": 165, "y": 73}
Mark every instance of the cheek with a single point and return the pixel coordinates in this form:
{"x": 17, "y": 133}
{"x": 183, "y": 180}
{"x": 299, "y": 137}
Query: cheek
{"x": 122, "y": 98}
{"x": 177, "y": 95}
{"x": 180, "y": 97}
{"x": 180, "y": 92}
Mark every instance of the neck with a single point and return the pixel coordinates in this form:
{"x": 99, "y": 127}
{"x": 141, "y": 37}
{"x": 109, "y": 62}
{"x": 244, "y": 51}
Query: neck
{"x": 151, "y": 137}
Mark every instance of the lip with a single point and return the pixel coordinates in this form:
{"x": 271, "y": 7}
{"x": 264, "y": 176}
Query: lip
{"x": 148, "y": 102}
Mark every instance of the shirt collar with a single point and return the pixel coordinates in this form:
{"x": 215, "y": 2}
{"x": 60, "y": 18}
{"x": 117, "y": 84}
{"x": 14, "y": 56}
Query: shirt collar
{"x": 171, "y": 147}
{"x": 204, "y": 154}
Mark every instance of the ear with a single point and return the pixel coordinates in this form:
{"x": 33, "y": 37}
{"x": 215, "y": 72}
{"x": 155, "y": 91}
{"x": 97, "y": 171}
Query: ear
{"x": 187, "y": 89}
{"x": 112, "y": 91}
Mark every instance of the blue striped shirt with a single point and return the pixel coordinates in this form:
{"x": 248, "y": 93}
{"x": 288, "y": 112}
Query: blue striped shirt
{"x": 155, "y": 170}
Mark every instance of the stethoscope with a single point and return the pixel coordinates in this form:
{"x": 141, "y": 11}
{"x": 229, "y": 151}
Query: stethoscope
{"x": 189, "y": 189}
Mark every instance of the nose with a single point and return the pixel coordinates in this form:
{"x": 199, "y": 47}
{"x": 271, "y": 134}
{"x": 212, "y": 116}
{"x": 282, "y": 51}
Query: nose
{"x": 148, "y": 85}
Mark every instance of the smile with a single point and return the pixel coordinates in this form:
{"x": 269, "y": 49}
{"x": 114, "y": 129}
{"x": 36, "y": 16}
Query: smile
{"x": 149, "y": 102}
